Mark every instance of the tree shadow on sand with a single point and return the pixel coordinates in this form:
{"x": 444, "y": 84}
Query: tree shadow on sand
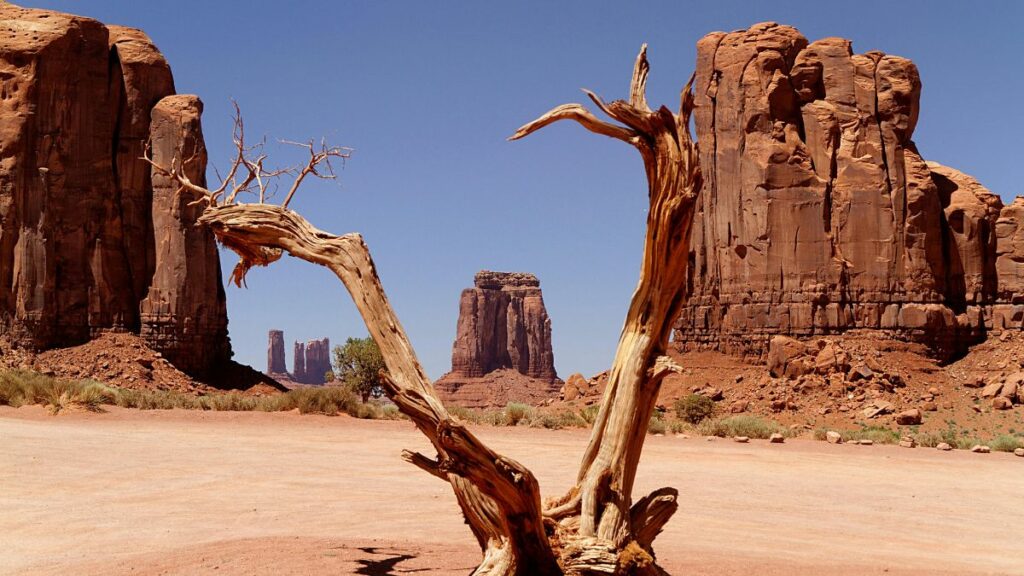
{"x": 386, "y": 566}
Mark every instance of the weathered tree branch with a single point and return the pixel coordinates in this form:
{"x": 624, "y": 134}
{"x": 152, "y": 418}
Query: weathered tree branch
{"x": 608, "y": 470}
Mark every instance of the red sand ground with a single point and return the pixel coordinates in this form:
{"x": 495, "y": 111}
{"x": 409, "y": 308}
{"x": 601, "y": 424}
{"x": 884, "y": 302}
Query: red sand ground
{"x": 186, "y": 493}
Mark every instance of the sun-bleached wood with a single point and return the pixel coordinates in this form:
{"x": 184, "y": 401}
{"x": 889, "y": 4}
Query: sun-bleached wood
{"x": 595, "y": 528}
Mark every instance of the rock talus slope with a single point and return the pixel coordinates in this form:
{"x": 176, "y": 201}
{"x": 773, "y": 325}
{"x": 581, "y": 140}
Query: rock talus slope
{"x": 90, "y": 240}
{"x": 818, "y": 214}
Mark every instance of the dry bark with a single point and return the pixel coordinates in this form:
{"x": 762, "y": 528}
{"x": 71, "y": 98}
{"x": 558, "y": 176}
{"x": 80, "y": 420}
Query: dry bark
{"x": 595, "y": 529}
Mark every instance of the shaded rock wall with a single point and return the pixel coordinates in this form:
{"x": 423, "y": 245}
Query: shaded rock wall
{"x": 88, "y": 241}
{"x": 818, "y": 214}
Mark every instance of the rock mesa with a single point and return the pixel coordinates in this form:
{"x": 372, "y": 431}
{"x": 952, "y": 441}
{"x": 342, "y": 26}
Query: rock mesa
{"x": 818, "y": 213}
{"x": 503, "y": 335}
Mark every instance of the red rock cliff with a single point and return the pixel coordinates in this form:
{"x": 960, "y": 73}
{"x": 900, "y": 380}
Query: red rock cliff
{"x": 818, "y": 213}
{"x": 502, "y": 351}
{"x": 89, "y": 242}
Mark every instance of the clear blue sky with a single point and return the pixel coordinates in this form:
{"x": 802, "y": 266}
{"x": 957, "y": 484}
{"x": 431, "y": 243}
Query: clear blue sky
{"x": 427, "y": 92}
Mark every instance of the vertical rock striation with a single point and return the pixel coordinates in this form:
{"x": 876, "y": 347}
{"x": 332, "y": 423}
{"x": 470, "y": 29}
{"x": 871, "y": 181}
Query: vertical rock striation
{"x": 818, "y": 214}
{"x": 275, "y": 353}
{"x": 503, "y": 326}
{"x": 88, "y": 241}
{"x": 318, "y": 360}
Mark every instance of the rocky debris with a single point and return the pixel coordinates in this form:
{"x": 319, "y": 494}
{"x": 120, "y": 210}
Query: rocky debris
{"x": 833, "y": 437}
{"x": 92, "y": 240}
{"x": 496, "y": 389}
{"x": 275, "y": 353}
{"x": 1001, "y": 403}
{"x": 980, "y": 449}
{"x": 503, "y": 325}
{"x": 741, "y": 439}
{"x": 819, "y": 216}
{"x": 575, "y": 387}
{"x": 943, "y": 446}
{"x": 909, "y": 417}
{"x": 908, "y": 442}
{"x": 866, "y": 442}
{"x": 877, "y": 408}
{"x": 126, "y": 361}
{"x": 776, "y": 438}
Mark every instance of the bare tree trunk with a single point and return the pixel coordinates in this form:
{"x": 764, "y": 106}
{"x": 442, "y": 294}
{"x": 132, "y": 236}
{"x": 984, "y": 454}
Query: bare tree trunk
{"x": 595, "y": 528}
{"x": 603, "y": 495}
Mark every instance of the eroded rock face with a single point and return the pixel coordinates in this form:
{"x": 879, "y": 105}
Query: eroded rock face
{"x": 503, "y": 325}
{"x": 88, "y": 241}
{"x": 818, "y": 214}
{"x": 312, "y": 360}
{"x": 275, "y": 353}
{"x": 318, "y": 360}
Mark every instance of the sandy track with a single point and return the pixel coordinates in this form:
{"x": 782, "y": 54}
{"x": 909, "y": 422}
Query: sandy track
{"x": 132, "y": 492}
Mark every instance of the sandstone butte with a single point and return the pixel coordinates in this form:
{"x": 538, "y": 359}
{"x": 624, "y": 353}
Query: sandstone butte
{"x": 819, "y": 216}
{"x": 312, "y": 360}
{"x": 92, "y": 241}
{"x": 502, "y": 351}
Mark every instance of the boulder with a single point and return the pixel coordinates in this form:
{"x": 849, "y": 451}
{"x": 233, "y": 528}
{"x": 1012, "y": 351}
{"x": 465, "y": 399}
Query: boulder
{"x": 786, "y": 357}
{"x": 943, "y": 446}
{"x": 908, "y": 442}
{"x": 1001, "y": 403}
{"x": 909, "y": 417}
{"x": 980, "y": 449}
{"x": 992, "y": 390}
{"x": 574, "y": 387}
{"x": 833, "y": 437}
{"x": 776, "y": 438}
{"x": 1018, "y": 452}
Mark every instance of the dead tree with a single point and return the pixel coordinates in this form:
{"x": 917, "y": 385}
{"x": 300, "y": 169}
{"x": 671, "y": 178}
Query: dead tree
{"x": 596, "y": 528}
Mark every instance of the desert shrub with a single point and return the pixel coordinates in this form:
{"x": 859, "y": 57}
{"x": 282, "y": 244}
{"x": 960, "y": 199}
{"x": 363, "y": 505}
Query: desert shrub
{"x": 676, "y": 427}
{"x": 877, "y": 435}
{"x": 589, "y": 414}
{"x": 1005, "y": 443}
{"x": 694, "y": 408}
{"x": 742, "y": 425}
{"x": 656, "y": 425}
{"x": 516, "y": 412}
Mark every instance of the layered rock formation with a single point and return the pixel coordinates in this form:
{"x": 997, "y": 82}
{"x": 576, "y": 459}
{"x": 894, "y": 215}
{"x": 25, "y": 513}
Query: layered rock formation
{"x": 503, "y": 325}
{"x": 312, "y": 359}
{"x": 90, "y": 241}
{"x": 318, "y": 361}
{"x": 275, "y": 353}
{"x": 819, "y": 216}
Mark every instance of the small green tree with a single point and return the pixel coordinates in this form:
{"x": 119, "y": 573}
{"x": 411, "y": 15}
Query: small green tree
{"x": 359, "y": 364}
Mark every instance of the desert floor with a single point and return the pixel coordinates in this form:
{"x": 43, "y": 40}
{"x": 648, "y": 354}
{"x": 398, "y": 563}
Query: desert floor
{"x": 176, "y": 492}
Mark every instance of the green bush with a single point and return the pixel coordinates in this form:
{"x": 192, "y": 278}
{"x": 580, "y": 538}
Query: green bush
{"x": 694, "y": 408}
